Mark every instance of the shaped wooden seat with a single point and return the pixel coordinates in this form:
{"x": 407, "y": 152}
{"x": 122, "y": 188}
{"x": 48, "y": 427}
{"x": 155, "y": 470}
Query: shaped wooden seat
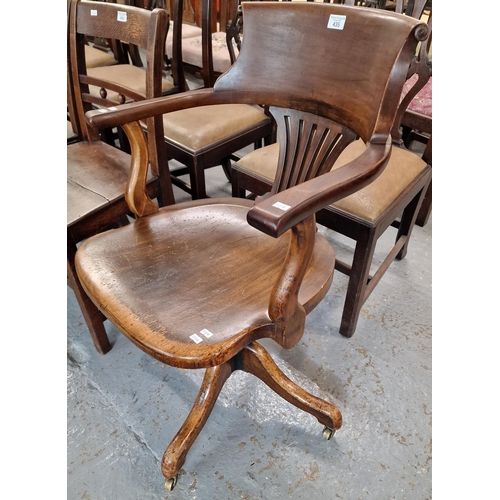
{"x": 197, "y": 284}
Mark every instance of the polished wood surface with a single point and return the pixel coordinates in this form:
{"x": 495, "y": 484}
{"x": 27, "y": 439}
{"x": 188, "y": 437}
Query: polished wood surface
{"x": 196, "y": 284}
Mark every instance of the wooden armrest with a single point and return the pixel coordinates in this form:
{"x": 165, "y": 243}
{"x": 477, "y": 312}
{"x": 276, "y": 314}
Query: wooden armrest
{"x": 276, "y": 214}
{"x": 138, "y": 111}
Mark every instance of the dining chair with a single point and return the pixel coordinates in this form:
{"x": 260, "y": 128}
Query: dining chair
{"x": 190, "y": 26}
{"x": 207, "y": 137}
{"x": 416, "y": 120}
{"x": 392, "y": 201}
{"x": 198, "y": 139}
{"x": 220, "y": 15}
{"x": 97, "y": 172}
{"x": 195, "y": 285}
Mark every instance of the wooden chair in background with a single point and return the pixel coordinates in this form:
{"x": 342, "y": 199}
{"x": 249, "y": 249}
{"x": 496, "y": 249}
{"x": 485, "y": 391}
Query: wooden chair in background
{"x": 416, "y": 120}
{"x": 191, "y": 24}
{"x": 216, "y": 16}
{"x": 207, "y": 137}
{"x": 393, "y": 200}
{"x": 197, "y": 284}
{"x": 97, "y": 172}
{"x": 98, "y": 55}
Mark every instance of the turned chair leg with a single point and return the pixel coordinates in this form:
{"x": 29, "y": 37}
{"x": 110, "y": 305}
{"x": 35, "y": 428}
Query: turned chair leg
{"x": 256, "y": 360}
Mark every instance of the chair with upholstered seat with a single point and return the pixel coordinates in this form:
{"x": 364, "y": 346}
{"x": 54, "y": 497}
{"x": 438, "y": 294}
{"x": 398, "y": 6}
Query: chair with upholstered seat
{"x": 96, "y": 171}
{"x": 202, "y": 138}
{"x": 213, "y": 19}
{"x": 95, "y": 57}
{"x": 392, "y": 200}
{"x": 190, "y": 27}
{"x": 197, "y": 284}
{"x": 128, "y": 72}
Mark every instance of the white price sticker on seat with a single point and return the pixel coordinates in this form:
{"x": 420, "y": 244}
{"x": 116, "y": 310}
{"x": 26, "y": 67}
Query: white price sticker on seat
{"x": 336, "y": 22}
{"x": 122, "y": 17}
{"x": 206, "y": 332}
{"x": 196, "y": 338}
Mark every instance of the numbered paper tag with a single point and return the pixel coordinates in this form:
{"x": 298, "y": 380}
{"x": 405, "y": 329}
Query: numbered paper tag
{"x": 336, "y": 22}
{"x": 281, "y": 206}
{"x": 206, "y": 332}
{"x": 93, "y": 12}
{"x": 196, "y": 338}
{"x": 122, "y": 17}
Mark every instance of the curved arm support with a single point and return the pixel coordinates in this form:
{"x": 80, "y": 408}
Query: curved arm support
{"x": 135, "y": 194}
{"x": 276, "y": 214}
{"x": 284, "y": 308}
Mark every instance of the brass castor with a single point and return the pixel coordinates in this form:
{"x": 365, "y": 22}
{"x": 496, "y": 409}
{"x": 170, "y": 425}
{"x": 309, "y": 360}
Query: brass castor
{"x": 170, "y": 483}
{"x": 328, "y": 433}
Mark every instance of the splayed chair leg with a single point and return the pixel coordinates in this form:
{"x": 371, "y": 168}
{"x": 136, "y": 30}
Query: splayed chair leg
{"x": 175, "y": 455}
{"x": 252, "y": 359}
{"x": 257, "y": 361}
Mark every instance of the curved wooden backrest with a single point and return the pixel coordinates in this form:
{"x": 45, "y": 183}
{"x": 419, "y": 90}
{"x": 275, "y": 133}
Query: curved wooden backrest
{"x": 342, "y": 74}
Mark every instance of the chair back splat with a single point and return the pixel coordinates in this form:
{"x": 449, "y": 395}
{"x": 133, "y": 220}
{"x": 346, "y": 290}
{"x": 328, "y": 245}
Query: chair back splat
{"x": 197, "y": 284}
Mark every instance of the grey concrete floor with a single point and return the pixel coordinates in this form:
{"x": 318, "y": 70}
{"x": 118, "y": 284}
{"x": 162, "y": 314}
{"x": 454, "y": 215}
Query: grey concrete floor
{"x": 124, "y": 408}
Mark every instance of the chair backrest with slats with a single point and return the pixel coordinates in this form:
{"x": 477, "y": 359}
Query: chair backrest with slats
{"x": 133, "y": 25}
{"x": 319, "y": 63}
{"x": 145, "y": 29}
{"x": 340, "y": 74}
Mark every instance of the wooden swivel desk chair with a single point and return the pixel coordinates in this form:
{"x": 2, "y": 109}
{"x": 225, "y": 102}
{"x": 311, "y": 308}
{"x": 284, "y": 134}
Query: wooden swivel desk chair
{"x": 197, "y": 284}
